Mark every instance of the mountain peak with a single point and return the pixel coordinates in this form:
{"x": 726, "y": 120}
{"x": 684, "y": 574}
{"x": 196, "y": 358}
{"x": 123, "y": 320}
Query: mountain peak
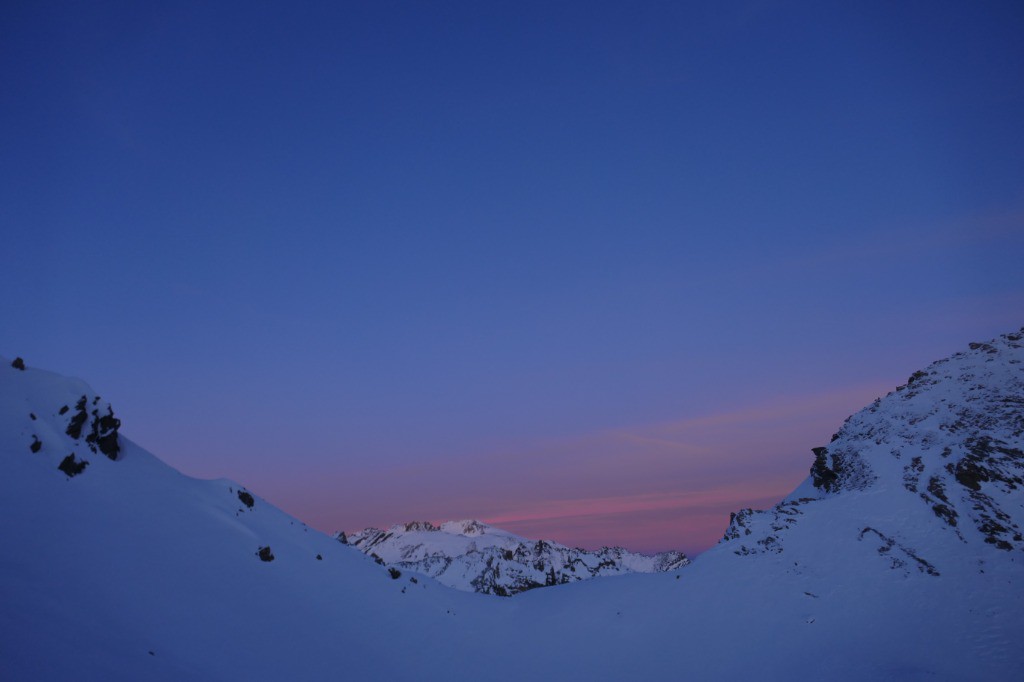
{"x": 416, "y": 526}
{"x": 473, "y": 556}
{"x": 944, "y": 449}
{"x": 466, "y": 527}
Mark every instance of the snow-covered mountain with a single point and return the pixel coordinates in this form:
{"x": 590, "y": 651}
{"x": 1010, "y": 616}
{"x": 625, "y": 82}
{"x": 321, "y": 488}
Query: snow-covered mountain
{"x": 899, "y": 558}
{"x": 475, "y": 557}
{"x": 937, "y": 462}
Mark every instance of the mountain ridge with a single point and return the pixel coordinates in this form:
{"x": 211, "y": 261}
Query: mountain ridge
{"x": 943, "y": 449}
{"x": 474, "y": 556}
{"x": 898, "y": 557}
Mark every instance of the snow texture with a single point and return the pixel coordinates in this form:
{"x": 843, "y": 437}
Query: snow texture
{"x": 898, "y": 558}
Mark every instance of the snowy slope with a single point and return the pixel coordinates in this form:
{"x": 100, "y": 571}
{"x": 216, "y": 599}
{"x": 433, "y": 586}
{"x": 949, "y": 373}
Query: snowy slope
{"x": 899, "y": 558}
{"x": 476, "y": 557}
{"x": 938, "y": 462}
{"x": 130, "y": 557}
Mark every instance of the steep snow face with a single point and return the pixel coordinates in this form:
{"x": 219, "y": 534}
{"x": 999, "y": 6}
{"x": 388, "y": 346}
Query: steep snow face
{"x": 475, "y": 557}
{"x": 935, "y": 467}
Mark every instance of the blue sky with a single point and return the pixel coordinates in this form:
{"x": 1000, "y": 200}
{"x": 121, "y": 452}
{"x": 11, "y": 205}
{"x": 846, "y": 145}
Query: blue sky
{"x": 314, "y": 249}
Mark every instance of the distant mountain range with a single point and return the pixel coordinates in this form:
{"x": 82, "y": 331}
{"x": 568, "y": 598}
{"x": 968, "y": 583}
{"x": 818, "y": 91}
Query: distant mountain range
{"x": 900, "y": 557}
{"x": 476, "y": 557}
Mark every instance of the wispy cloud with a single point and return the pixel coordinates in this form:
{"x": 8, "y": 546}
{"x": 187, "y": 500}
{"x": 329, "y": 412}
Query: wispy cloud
{"x": 635, "y": 485}
{"x": 551, "y": 510}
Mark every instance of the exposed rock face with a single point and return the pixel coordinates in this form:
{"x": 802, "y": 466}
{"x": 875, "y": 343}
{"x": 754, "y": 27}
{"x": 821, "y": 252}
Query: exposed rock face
{"x": 71, "y": 466}
{"x": 77, "y": 420}
{"x": 837, "y": 467}
{"x": 948, "y": 445}
{"x": 101, "y": 435}
{"x": 823, "y": 476}
{"x": 476, "y": 557}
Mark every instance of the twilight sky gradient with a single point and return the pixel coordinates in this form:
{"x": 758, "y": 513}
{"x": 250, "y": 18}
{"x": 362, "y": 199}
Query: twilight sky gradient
{"x": 595, "y": 272}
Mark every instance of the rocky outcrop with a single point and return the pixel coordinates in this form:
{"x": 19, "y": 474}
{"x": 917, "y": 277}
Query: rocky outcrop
{"x": 71, "y": 466}
{"x": 97, "y": 423}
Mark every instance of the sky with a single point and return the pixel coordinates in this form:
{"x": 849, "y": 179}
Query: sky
{"x": 597, "y": 272}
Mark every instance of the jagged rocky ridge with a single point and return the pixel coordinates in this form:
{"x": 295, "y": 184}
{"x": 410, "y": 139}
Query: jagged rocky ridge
{"x": 476, "y": 557}
{"x": 938, "y": 459}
